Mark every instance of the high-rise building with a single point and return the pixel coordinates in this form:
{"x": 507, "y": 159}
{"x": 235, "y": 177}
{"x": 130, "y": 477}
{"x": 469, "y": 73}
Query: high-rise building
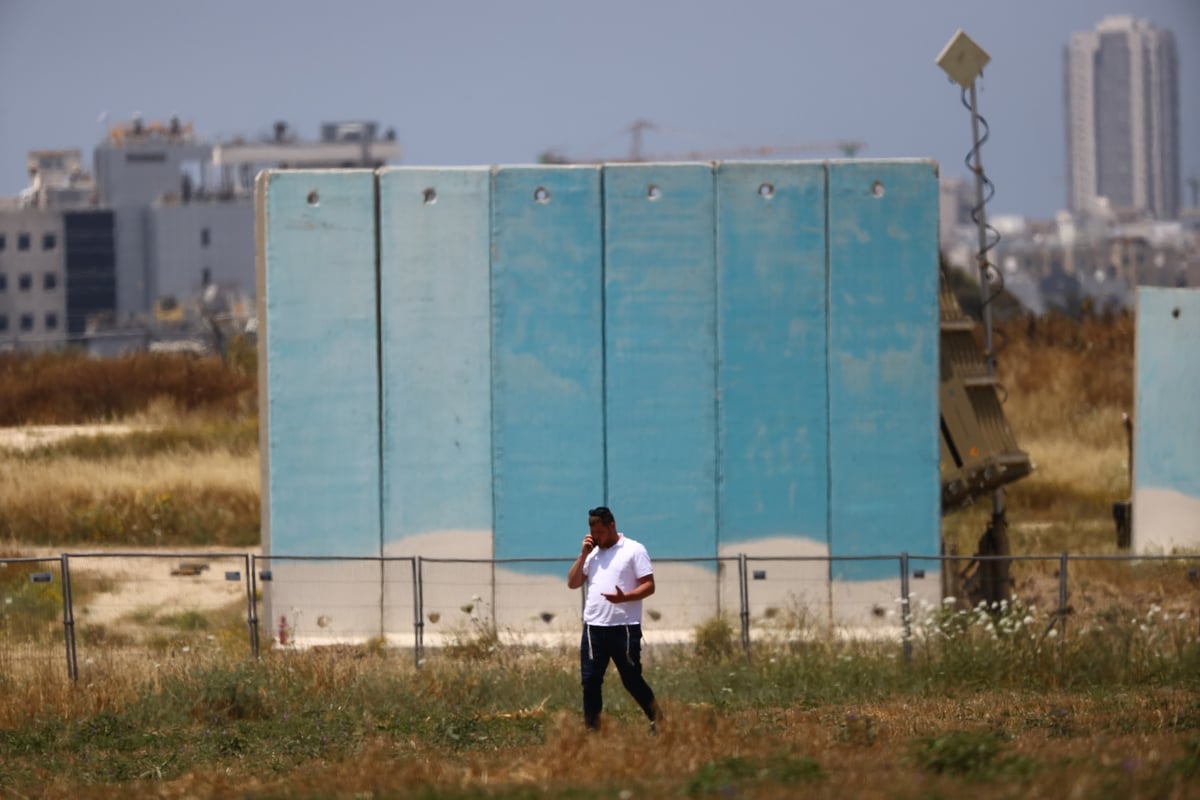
{"x": 1122, "y": 93}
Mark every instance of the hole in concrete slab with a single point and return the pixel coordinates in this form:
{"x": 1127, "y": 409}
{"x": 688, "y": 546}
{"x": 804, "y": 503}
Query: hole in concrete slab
{"x": 430, "y": 196}
{"x": 314, "y": 198}
{"x": 877, "y": 188}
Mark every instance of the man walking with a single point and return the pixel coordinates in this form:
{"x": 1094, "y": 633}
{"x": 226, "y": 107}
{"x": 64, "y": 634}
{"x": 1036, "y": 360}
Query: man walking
{"x": 619, "y": 577}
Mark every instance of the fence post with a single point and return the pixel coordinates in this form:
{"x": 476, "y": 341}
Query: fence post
{"x": 905, "y": 608}
{"x": 252, "y": 602}
{"x": 744, "y": 603}
{"x": 1062, "y": 602}
{"x": 69, "y": 619}
{"x": 418, "y": 611}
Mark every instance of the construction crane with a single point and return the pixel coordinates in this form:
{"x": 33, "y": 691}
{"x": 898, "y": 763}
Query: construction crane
{"x": 847, "y": 148}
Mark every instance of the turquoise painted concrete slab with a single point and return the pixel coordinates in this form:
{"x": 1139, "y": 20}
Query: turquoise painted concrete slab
{"x": 319, "y": 377}
{"x": 632, "y": 336}
{"x": 660, "y": 354}
{"x": 547, "y": 358}
{"x": 883, "y": 350}
{"x": 435, "y": 317}
{"x": 771, "y": 288}
{"x": 1166, "y": 463}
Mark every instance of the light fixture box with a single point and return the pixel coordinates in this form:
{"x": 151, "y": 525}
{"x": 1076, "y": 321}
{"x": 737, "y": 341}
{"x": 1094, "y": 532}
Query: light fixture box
{"x": 962, "y": 59}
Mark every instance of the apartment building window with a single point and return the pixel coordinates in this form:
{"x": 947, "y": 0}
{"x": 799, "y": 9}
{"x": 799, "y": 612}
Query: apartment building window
{"x": 3, "y": 323}
{"x": 50, "y": 281}
{"x": 3, "y": 282}
{"x": 3, "y": 241}
{"x": 51, "y": 321}
{"x": 26, "y": 322}
{"x": 205, "y": 237}
{"x": 49, "y": 241}
{"x": 22, "y": 241}
{"x": 25, "y": 282}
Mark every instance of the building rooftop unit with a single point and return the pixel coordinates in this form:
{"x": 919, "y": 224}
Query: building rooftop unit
{"x": 57, "y": 180}
{"x": 138, "y": 131}
{"x": 342, "y": 144}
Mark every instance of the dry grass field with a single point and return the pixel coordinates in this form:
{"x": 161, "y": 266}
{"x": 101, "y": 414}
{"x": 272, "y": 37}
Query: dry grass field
{"x": 993, "y": 704}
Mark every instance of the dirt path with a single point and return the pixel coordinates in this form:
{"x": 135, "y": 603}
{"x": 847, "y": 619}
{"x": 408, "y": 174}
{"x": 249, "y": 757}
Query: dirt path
{"x": 27, "y": 437}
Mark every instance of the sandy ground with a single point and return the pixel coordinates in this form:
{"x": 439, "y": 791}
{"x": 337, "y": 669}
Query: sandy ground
{"x": 28, "y": 437}
{"x": 135, "y": 588}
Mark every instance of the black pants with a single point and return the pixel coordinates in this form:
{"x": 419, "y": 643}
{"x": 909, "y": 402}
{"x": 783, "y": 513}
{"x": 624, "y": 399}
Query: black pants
{"x": 623, "y": 645}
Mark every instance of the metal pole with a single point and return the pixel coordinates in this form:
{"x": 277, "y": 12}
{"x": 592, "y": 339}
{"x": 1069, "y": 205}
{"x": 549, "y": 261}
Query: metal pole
{"x": 985, "y": 311}
{"x": 744, "y": 602}
{"x": 69, "y": 619}
{"x": 1062, "y": 602}
{"x": 418, "y": 611}
{"x": 252, "y": 601}
{"x": 905, "y": 607}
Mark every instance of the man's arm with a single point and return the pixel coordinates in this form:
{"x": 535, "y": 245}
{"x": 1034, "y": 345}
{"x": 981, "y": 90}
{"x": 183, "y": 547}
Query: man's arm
{"x": 575, "y": 574}
{"x": 644, "y": 588}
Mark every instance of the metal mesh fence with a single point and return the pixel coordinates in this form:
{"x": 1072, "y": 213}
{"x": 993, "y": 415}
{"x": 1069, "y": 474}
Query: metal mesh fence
{"x": 313, "y": 601}
{"x": 33, "y": 615}
{"x": 99, "y": 611}
{"x": 1156, "y": 596}
{"x": 156, "y": 606}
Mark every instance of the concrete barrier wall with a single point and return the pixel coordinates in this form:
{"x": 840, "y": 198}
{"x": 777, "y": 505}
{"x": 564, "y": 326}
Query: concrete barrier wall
{"x": 1166, "y": 458}
{"x": 736, "y": 357}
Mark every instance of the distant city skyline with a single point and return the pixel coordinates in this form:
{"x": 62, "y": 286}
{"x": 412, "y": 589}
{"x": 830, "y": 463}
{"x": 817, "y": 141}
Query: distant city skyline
{"x": 486, "y": 83}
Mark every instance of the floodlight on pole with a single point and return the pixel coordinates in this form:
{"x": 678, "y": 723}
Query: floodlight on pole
{"x": 963, "y": 60}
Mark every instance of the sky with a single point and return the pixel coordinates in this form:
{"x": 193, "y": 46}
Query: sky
{"x": 498, "y": 82}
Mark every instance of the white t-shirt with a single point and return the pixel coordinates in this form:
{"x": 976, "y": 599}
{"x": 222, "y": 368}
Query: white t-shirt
{"x": 620, "y": 565}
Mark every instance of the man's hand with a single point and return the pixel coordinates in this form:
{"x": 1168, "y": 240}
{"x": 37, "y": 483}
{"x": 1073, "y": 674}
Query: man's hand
{"x": 589, "y": 544}
{"x": 644, "y": 589}
{"x": 616, "y": 597}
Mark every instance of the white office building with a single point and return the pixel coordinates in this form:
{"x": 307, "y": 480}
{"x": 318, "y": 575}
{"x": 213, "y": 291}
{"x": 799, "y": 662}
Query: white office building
{"x": 168, "y": 218}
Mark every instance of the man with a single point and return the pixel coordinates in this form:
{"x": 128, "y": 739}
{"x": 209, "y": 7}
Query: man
{"x": 619, "y": 577}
